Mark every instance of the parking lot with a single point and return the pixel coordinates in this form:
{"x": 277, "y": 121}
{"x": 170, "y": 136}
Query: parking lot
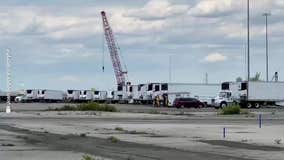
{"x": 127, "y": 108}
{"x": 143, "y": 132}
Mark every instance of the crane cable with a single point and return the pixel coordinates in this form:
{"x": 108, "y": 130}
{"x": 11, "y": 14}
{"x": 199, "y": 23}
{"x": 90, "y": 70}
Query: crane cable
{"x": 103, "y": 49}
{"x": 122, "y": 60}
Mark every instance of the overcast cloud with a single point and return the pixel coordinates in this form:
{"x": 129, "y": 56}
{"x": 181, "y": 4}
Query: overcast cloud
{"x": 59, "y": 44}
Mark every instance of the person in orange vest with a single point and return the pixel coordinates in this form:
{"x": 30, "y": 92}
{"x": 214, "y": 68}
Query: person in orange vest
{"x": 158, "y": 101}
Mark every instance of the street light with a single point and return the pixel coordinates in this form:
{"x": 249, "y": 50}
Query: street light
{"x": 248, "y": 43}
{"x": 9, "y": 83}
{"x": 170, "y": 69}
{"x": 248, "y": 40}
{"x": 266, "y": 22}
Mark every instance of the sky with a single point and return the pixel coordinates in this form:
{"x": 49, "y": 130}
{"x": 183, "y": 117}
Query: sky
{"x": 59, "y": 44}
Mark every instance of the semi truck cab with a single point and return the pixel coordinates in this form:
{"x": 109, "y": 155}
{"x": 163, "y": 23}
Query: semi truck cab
{"x": 223, "y": 99}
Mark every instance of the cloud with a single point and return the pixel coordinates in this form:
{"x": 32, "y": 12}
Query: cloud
{"x": 208, "y": 8}
{"x": 62, "y": 39}
{"x": 70, "y": 79}
{"x": 217, "y": 8}
{"x": 131, "y": 25}
{"x": 215, "y": 57}
{"x": 158, "y": 9}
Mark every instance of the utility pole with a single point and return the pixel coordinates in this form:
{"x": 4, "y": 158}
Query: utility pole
{"x": 266, "y": 22}
{"x": 170, "y": 69}
{"x": 248, "y": 38}
{"x": 206, "y": 78}
{"x": 248, "y": 47}
{"x": 9, "y": 81}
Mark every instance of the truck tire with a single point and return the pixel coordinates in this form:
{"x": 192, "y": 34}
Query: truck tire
{"x": 257, "y": 105}
{"x": 249, "y": 105}
{"x": 223, "y": 105}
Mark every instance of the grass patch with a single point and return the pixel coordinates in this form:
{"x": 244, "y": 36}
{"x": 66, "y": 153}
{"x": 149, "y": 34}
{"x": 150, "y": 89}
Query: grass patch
{"x": 136, "y": 132}
{"x": 113, "y": 139}
{"x": 230, "y": 110}
{"x": 7, "y": 145}
{"x": 83, "y": 135}
{"x": 154, "y": 112}
{"x": 245, "y": 112}
{"x": 119, "y": 129}
{"x": 96, "y": 107}
{"x": 278, "y": 141}
{"x": 64, "y": 108}
{"x": 87, "y": 157}
{"x": 87, "y": 107}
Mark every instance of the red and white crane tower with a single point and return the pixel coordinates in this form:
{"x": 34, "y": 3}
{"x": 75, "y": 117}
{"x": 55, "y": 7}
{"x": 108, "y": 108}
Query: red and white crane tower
{"x": 120, "y": 74}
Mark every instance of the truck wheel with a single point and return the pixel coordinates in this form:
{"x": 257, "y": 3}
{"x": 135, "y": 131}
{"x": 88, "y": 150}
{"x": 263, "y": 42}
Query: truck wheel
{"x": 223, "y": 105}
{"x": 257, "y": 105}
{"x": 249, "y": 105}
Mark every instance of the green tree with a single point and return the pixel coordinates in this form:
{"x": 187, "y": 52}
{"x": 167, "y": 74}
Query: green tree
{"x": 256, "y": 77}
{"x": 239, "y": 79}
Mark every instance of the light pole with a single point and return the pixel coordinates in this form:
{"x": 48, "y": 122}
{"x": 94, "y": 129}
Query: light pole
{"x": 248, "y": 43}
{"x": 248, "y": 38}
{"x": 266, "y": 22}
{"x": 170, "y": 69}
{"x": 9, "y": 83}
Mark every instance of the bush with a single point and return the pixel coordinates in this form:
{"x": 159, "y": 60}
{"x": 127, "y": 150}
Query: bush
{"x": 234, "y": 109}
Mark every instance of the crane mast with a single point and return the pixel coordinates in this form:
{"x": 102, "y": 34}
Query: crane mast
{"x": 113, "y": 49}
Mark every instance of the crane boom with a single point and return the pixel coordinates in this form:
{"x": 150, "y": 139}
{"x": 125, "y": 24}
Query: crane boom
{"x": 113, "y": 49}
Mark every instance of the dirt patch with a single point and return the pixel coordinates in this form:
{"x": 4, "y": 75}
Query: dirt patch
{"x": 105, "y": 148}
{"x": 241, "y": 145}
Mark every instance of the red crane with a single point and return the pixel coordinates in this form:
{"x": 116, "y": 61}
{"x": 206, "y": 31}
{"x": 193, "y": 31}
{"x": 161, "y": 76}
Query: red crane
{"x": 113, "y": 49}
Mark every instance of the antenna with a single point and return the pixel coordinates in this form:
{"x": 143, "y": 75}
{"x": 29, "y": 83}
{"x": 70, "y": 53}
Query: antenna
{"x": 206, "y": 78}
{"x": 9, "y": 80}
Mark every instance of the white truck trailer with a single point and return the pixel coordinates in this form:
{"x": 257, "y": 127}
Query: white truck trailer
{"x": 73, "y": 95}
{"x": 134, "y": 94}
{"x": 203, "y": 92}
{"x": 250, "y": 94}
{"x": 109, "y": 97}
{"x": 45, "y": 95}
{"x": 122, "y": 94}
{"x": 100, "y": 96}
{"x": 86, "y": 95}
{"x": 31, "y": 95}
{"x": 146, "y": 92}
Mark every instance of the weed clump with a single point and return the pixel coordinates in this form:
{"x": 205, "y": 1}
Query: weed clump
{"x": 83, "y": 135}
{"x": 231, "y": 110}
{"x": 87, "y": 157}
{"x": 7, "y": 145}
{"x": 119, "y": 129}
{"x": 113, "y": 139}
{"x": 278, "y": 141}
